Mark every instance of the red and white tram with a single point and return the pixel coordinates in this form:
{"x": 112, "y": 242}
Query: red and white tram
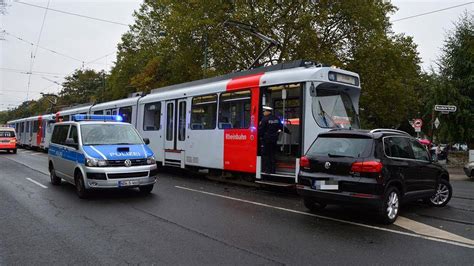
{"x": 213, "y": 123}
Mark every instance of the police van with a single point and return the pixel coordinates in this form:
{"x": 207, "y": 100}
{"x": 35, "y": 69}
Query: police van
{"x": 100, "y": 152}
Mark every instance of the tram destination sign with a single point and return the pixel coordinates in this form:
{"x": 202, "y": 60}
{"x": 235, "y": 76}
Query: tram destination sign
{"x": 445, "y": 108}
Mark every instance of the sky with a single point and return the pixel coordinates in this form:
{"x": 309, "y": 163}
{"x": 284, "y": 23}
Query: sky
{"x": 67, "y": 42}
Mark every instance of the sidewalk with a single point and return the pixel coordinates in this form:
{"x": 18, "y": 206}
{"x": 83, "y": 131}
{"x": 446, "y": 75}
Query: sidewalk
{"x": 457, "y": 173}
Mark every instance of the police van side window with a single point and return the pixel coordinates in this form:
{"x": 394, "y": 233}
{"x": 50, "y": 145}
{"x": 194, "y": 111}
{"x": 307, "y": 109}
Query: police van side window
{"x": 234, "y": 109}
{"x": 204, "y": 112}
{"x": 126, "y": 114}
{"x": 60, "y": 134}
{"x": 73, "y": 134}
{"x": 152, "y": 116}
{"x": 398, "y": 147}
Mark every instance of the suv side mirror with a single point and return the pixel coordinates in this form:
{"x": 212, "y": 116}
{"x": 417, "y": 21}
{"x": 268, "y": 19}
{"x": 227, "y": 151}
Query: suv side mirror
{"x": 71, "y": 143}
{"x": 146, "y": 140}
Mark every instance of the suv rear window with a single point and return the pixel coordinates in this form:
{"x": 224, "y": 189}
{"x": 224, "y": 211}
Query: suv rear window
{"x": 344, "y": 146}
{"x": 7, "y": 134}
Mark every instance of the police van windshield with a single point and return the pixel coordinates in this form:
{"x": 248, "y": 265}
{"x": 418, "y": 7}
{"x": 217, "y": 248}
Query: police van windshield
{"x": 7, "y": 134}
{"x": 109, "y": 134}
{"x": 333, "y": 108}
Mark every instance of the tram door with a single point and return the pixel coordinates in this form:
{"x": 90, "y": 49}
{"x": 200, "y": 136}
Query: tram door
{"x": 287, "y": 103}
{"x": 175, "y": 132}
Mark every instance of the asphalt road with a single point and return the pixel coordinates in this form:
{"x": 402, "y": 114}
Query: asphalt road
{"x": 192, "y": 220}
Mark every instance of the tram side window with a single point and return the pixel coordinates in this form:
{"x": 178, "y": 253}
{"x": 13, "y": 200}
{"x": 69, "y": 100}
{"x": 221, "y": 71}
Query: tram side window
{"x": 169, "y": 121}
{"x": 27, "y": 127}
{"x": 126, "y": 114}
{"x": 152, "y": 117}
{"x": 234, "y": 110}
{"x": 203, "y": 112}
{"x": 35, "y": 126}
{"x": 99, "y": 112}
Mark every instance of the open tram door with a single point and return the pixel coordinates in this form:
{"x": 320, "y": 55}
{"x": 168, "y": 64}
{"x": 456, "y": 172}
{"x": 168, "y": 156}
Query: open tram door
{"x": 175, "y": 133}
{"x": 287, "y": 103}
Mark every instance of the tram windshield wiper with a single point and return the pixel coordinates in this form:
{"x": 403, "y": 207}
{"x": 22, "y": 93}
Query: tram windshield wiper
{"x": 324, "y": 114}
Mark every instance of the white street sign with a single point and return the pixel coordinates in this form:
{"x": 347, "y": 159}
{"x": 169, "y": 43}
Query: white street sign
{"x": 436, "y": 123}
{"x": 445, "y": 108}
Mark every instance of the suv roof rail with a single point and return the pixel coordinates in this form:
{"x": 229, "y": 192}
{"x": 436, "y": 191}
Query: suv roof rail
{"x": 389, "y": 130}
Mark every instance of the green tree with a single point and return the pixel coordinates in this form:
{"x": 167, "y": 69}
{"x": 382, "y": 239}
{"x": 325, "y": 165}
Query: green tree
{"x": 453, "y": 84}
{"x": 83, "y": 86}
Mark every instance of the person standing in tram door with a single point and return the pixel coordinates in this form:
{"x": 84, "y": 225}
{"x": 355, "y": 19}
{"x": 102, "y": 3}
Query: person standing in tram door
{"x": 268, "y": 129}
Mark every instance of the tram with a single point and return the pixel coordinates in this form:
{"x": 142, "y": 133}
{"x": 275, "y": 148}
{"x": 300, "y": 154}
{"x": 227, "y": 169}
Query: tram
{"x": 213, "y": 123}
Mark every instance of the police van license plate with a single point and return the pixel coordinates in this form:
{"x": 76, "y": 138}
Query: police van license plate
{"x": 326, "y": 185}
{"x": 127, "y": 183}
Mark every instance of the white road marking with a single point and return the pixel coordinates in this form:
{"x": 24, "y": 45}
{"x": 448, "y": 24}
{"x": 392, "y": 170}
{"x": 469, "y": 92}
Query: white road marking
{"x": 36, "y": 153}
{"x": 37, "y": 183}
{"x": 423, "y": 229}
{"x": 432, "y": 238}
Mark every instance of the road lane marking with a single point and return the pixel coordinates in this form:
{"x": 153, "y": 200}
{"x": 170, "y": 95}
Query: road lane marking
{"x": 36, "y": 182}
{"x": 36, "y": 153}
{"x": 424, "y": 229}
{"x": 426, "y": 237}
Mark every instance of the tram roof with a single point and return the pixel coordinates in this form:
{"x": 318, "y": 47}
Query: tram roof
{"x": 277, "y": 67}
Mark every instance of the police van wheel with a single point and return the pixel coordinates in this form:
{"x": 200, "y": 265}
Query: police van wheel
{"x": 55, "y": 180}
{"x": 81, "y": 190}
{"x": 146, "y": 189}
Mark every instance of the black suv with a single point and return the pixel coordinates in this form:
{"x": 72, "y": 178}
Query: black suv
{"x": 378, "y": 168}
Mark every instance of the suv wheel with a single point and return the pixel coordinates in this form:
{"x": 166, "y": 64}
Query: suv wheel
{"x": 81, "y": 190}
{"x": 314, "y": 205}
{"x": 55, "y": 180}
{"x": 391, "y": 206}
{"x": 443, "y": 194}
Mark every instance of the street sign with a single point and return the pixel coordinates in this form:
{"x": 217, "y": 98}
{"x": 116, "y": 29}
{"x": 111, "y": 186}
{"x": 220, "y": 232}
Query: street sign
{"x": 417, "y": 123}
{"x": 436, "y": 123}
{"x": 445, "y": 108}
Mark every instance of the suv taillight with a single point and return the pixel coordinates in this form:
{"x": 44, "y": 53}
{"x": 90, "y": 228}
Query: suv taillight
{"x": 304, "y": 162}
{"x": 367, "y": 167}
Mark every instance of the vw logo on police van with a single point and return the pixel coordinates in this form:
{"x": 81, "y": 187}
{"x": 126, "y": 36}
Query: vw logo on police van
{"x": 128, "y": 163}
{"x": 327, "y": 165}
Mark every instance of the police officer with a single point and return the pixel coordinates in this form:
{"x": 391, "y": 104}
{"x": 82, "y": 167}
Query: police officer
{"x": 269, "y": 128}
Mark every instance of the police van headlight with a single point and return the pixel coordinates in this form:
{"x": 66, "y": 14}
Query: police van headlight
{"x": 151, "y": 160}
{"x": 93, "y": 162}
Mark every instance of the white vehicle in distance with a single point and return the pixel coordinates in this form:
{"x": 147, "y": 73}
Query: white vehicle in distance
{"x": 100, "y": 152}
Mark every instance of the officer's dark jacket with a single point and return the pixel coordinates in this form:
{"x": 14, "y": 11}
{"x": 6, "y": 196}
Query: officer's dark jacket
{"x": 269, "y": 128}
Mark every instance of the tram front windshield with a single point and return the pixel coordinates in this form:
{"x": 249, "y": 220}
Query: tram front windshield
{"x": 333, "y": 108}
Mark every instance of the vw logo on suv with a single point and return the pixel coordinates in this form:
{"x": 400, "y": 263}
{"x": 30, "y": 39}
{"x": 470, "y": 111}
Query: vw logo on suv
{"x": 327, "y": 165}
{"x": 128, "y": 163}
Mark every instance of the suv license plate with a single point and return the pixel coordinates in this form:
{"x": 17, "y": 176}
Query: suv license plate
{"x": 326, "y": 185}
{"x": 128, "y": 183}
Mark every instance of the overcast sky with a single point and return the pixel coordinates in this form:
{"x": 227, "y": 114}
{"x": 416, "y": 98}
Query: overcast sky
{"x": 74, "y": 40}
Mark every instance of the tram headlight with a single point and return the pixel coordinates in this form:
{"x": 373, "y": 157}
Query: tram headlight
{"x": 332, "y": 76}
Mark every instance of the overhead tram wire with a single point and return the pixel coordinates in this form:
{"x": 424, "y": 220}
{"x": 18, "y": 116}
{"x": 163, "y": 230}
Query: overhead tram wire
{"x": 36, "y": 49}
{"x": 73, "y": 14}
{"x": 431, "y": 12}
{"x": 42, "y": 47}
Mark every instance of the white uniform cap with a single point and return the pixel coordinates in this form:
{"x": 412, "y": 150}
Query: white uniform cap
{"x": 267, "y": 108}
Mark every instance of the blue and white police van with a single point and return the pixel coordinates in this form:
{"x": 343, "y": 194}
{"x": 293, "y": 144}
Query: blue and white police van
{"x": 100, "y": 152}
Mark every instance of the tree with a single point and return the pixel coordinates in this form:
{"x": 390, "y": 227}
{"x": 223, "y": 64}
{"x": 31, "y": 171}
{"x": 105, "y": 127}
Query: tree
{"x": 453, "y": 84}
{"x": 83, "y": 86}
